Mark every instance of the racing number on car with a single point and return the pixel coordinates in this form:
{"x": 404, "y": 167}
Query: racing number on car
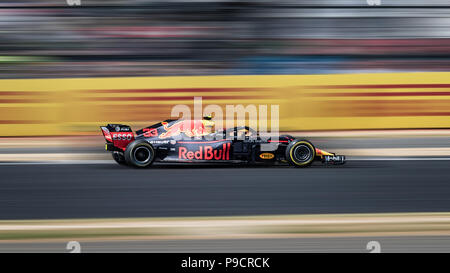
{"x": 150, "y": 132}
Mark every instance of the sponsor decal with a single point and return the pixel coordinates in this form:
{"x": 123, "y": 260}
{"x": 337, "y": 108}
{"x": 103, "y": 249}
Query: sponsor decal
{"x": 266, "y": 155}
{"x": 158, "y": 142}
{"x": 117, "y": 128}
{"x": 205, "y": 152}
{"x": 333, "y": 158}
{"x": 122, "y": 136}
{"x": 121, "y": 140}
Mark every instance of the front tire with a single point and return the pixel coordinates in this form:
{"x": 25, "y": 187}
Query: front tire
{"x": 300, "y": 153}
{"x": 139, "y": 154}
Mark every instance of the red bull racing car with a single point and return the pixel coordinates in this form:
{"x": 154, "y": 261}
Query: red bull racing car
{"x": 190, "y": 141}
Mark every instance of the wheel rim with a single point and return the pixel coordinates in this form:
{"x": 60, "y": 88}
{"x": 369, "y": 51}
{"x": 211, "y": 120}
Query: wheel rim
{"x": 302, "y": 153}
{"x": 142, "y": 155}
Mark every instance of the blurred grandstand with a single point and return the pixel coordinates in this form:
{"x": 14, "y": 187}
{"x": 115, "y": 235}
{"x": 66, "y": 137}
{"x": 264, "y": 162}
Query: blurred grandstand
{"x": 48, "y": 39}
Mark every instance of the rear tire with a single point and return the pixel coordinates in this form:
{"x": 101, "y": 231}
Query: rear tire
{"x": 139, "y": 154}
{"x": 300, "y": 153}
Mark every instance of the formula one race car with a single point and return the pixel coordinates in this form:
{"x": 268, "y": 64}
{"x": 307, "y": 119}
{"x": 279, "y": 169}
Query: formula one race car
{"x": 190, "y": 141}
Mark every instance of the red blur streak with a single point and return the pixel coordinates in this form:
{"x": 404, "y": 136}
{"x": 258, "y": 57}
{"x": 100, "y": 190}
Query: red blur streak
{"x": 384, "y": 86}
{"x": 150, "y": 32}
{"x": 381, "y": 94}
{"x": 185, "y": 90}
{"x": 169, "y": 98}
{"x": 6, "y": 121}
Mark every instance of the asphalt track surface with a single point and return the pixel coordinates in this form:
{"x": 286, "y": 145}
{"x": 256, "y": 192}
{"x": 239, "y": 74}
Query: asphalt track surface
{"x": 109, "y": 190}
{"x": 412, "y": 244}
{"x": 327, "y": 143}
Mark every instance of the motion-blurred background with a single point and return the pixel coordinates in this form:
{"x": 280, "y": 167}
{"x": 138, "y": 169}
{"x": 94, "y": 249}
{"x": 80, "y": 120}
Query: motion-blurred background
{"x": 331, "y": 43}
{"x": 364, "y": 80}
{"x": 47, "y": 39}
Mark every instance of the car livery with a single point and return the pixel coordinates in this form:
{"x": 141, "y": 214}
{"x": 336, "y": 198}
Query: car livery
{"x": 191, "y": 128}
{"x": 189, "y": 141}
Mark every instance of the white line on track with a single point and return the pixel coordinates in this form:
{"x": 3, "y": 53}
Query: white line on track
{"x": 63, "y": 162}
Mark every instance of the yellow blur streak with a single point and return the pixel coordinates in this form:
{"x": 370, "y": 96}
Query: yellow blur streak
{"x": 68, "y": 106}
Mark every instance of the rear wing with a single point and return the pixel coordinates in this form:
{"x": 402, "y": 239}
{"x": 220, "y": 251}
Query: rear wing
{"x": 118, "y": 136}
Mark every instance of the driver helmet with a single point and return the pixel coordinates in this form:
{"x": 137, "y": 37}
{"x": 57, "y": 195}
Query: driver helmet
{"x": 207, "y": 122}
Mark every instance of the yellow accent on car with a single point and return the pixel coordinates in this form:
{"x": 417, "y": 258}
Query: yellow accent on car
{"x": 321, "y": 153}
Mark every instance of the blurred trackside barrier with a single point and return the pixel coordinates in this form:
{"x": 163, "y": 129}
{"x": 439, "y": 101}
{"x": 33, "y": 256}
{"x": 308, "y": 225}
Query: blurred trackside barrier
{"x": 36, "y": 107}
